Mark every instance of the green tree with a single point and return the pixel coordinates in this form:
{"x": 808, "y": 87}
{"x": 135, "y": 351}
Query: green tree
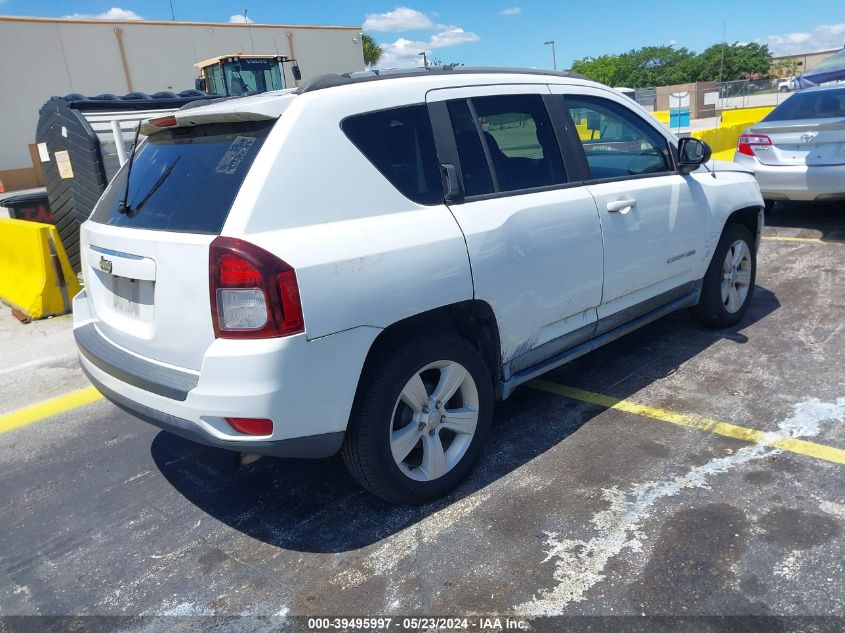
{"x": 372, "y": 51}
{"x": 667, "y": 65}
{"x": 730, "y": 62}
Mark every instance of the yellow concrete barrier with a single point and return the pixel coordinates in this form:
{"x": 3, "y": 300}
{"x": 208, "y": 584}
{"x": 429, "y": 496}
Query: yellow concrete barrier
{"x": 35, "y": 275}
{"x": 662, "y": 115}
{"x": 722, "y": 140}
{"x": 745, "y": 116}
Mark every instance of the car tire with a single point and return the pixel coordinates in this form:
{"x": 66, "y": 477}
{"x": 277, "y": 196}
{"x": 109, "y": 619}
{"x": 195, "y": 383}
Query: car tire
{"x": 392, "y": 417}
{"x": 729, "y": 281}
{"x": 769, "y": 205}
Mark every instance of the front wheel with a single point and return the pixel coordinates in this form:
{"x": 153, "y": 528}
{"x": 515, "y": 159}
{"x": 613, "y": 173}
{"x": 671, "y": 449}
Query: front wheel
{"x": 729, "y": 281}
{"x": 421, "y": 419}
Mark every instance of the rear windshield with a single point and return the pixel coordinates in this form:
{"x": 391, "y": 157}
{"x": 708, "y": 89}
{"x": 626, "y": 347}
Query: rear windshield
{"x": 184, "y": 179}
{"x": 812, "y": 104}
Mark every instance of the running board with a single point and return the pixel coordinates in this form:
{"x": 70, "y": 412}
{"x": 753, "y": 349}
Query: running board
{"x": 506, "y": 388}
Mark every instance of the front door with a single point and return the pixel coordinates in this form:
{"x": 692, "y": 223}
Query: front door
{"x": 652, "y": 224}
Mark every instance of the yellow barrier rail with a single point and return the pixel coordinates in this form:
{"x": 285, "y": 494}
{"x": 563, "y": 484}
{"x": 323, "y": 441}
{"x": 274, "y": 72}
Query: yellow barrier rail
{"x": 36, "y": 277}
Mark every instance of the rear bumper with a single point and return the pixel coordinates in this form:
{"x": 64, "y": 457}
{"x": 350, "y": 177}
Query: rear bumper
{"x": 314, "y": 446}
{"x": 305, "y": 387}
{"x": 797, "y": 182}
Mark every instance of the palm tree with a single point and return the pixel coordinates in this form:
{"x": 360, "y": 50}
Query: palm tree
{"x": 372, "y": 51}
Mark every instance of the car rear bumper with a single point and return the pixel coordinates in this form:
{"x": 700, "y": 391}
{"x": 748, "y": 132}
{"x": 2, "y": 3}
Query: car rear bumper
{"x": 305, "y": 387}
{"x": 797, "y": 182}
{"x": 313, "y": 446}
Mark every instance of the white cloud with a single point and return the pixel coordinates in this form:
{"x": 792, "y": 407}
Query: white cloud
{"x": 404, "y": 52}
{"x": 241, "y": 19}
{"x": 510, "y": 11}
{"x": 400, "y": 19}
{"x": 115, "y": 13}
{"x": 823, "y": 37}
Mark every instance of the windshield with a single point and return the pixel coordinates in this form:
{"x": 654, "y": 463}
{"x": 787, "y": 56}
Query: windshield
{"x": 810, "y": 104}
{"x": 184, "y": 179}
{"x": 247, "y": 76}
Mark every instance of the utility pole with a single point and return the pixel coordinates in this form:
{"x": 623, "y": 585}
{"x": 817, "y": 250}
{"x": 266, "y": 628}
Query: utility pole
{"x": 554, "y": 55}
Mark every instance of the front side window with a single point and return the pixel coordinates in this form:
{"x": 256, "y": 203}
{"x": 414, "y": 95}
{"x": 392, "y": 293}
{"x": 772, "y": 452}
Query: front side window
{"x": 617, "y": 142}
{"x": 513, "y": 139}
{"x": 400, "y": 143}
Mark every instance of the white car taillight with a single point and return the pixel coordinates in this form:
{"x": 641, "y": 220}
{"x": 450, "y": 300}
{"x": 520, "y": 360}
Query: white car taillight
{"x": 254, "y": 294}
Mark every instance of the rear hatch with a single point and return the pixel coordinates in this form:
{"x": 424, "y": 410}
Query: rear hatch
{"x": 145, "y": 253}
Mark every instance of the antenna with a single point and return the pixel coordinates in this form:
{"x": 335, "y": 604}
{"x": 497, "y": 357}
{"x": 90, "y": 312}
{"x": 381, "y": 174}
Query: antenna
{"x": 249, "y": 30}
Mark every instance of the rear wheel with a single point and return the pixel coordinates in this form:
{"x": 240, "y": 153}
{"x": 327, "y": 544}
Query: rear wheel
{"x": 729, "y": 281}
{"x": 769, "y": 205}
{"x": 421, "y": 419}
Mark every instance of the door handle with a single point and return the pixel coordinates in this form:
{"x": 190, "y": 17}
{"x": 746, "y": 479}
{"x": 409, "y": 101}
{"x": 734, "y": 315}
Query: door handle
{"x": 621, "y": 206}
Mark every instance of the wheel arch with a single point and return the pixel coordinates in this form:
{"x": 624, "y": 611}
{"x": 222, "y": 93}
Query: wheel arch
{"x": 749, "y": 217}
{"x": 472, "y": 319}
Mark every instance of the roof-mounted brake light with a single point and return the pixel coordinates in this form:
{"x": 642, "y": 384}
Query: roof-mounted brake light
{"x": 164, "y": 121}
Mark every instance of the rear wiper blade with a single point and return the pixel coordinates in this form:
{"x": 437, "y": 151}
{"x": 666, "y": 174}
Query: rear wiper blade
{"x": 124, "y": 204}
{"x": 157, "y": 185}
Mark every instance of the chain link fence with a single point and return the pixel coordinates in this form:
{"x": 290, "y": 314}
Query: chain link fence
{"x": 705, "y": 99}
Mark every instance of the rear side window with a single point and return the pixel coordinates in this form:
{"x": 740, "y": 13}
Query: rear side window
{"x": 812, "y": 104}
{"x": 400, "y": 143}
{"x": 513, "y": 138}
{"x": 522, "y": 144}
{"x": 617, "y": 142}
{"x": 184, "y": 179}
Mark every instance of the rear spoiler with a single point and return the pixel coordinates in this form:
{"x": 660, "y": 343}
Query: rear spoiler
{"x": 263, "y": 107}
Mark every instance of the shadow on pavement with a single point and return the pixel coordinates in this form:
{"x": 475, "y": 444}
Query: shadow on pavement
{"x": 828, "y": 218}
{"x": 315, "y": 506}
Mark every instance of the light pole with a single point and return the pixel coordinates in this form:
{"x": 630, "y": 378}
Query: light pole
{"x": 425, "y": 59}
{"x": 554, "y": 55}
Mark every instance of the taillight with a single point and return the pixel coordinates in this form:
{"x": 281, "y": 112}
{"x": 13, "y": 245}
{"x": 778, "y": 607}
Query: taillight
{"x": 745, "y": 143}
{"x": 254, "y": 294}
{"x": 251, "y": 426}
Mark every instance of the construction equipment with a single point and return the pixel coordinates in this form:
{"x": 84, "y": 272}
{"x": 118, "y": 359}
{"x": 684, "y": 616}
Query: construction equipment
{"x": 238, "y": 74}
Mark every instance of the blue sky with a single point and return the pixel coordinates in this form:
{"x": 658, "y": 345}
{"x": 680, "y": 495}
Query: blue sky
{"x": 508, "y": 33}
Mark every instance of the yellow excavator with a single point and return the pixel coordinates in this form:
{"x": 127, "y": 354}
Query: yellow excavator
{"x": 239, "y": 74}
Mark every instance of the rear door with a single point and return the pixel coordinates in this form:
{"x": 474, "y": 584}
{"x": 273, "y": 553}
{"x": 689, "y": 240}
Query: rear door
{"x": 145, "y": 249}
{"x": 653, "y": 218}
{"x": 533, "y": 234}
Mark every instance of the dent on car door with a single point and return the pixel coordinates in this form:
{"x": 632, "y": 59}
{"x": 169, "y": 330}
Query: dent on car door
{"x": 651, "y": 224}
{"x": 534, "y": 241}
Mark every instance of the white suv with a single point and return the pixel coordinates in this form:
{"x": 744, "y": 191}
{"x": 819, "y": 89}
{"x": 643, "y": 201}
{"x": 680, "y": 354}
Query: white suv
{"x": 366, "y": 263}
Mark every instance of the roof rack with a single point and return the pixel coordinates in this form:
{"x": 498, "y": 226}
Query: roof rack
{"x": 331, "y": 80}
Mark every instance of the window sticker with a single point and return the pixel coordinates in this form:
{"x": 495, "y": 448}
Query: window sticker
{"x": 238, "y": 150}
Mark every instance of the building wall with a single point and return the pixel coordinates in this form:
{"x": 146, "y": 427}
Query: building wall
{"x": 808, "y": 60}
{"x": 40, "y": 58}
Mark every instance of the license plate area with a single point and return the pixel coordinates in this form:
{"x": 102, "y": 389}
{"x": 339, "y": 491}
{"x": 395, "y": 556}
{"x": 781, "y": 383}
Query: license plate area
{"x": 124, "y": 303}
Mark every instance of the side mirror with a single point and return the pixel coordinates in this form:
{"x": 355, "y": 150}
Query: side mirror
{"x": 199, "y": 84}
{"x": 297, "y": 74}
{"x": 692, "y": 153}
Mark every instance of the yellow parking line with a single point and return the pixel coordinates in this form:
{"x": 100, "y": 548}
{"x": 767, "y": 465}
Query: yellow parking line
{"x": 790, "y": 444}
{"x": 779, "y": 238}
{"x": 48, "y": 408}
